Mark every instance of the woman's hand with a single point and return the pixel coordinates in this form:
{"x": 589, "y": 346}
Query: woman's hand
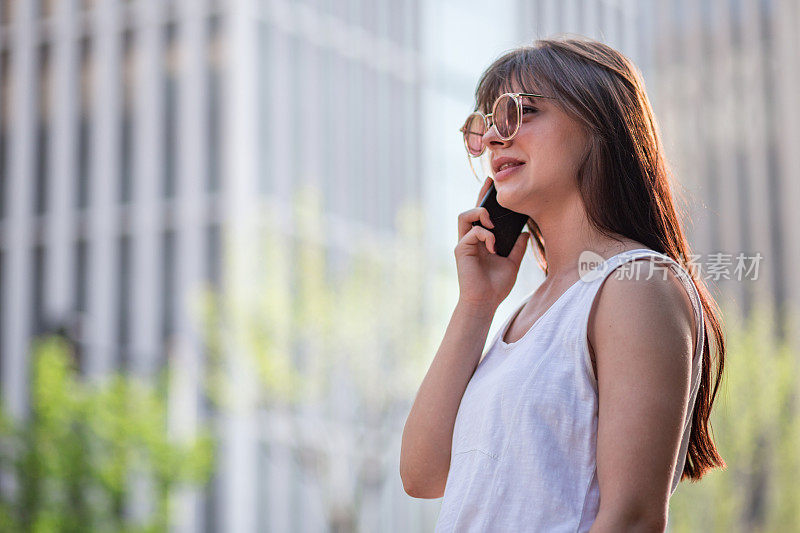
{"x": 484, "y": 278}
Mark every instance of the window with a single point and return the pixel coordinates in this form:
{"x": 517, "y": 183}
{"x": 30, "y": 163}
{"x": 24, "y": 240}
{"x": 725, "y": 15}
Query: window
{"x": 213, "y": 251}
{"x": 126, "y": 133}
{"x": 46, "y": 8}
{"x": 2, "y": 310}
{"x": 81, "y": 264}
{"x": 167, "y": 283}
{"x": 83, "y": 128}
{"x": 123, "y": 300}
{"x": 213, "y": 102}
{"x": 7, "y": 11}
{"x": 42, "y": 133}
{"x": 40, "y": 162}
{"x": 264, "y": 102}
{"x": 38, "y": 318}
{"x": 171, "y": 57}
{"x": 5, "y": 108}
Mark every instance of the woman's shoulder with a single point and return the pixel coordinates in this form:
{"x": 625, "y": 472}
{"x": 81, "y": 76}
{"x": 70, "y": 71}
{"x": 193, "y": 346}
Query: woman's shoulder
{"x": 648, "y": 307}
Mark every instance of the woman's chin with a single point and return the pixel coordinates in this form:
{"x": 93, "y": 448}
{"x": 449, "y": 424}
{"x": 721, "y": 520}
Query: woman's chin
{"x": 504, "y": 200}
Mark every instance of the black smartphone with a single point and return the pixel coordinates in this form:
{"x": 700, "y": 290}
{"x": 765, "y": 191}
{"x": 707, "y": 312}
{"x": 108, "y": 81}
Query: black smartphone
{"x": 508, "y": 224}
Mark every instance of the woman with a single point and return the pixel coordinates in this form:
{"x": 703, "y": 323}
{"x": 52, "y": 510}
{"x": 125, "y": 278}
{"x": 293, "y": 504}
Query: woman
{"x": 593, "y": 400}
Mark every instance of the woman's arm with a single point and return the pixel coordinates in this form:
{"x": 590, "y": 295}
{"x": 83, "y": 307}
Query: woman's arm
{"x": 484, "y": 280}
{"x": 642, "y": 339}
{"x": 428, "y": 433}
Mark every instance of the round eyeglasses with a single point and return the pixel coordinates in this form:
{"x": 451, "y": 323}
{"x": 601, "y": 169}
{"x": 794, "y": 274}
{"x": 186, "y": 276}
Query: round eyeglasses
{"x": 506, "y": 116}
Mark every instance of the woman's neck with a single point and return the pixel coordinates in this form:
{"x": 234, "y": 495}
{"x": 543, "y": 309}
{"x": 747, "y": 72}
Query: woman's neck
{"x": 566, "y": 233}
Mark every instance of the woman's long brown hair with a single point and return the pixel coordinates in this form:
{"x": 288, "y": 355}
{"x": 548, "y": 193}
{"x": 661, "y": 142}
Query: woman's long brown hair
{"x": 624, "y": 181}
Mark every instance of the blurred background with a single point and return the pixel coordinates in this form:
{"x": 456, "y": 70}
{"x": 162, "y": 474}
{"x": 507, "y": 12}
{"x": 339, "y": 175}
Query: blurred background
{"x": 226, "y": 247}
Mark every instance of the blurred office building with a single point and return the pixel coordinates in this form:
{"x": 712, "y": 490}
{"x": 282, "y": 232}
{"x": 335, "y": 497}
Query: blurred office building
{"x": 723, "y": 77}
{"x": 135, "y": 135}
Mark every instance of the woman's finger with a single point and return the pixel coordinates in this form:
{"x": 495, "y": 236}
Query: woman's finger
{"x": 477, "y": 235}
{"x": 466, "y": 219}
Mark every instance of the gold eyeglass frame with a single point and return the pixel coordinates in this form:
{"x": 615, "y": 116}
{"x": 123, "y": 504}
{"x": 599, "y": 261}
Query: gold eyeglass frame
{"x": 517, "y": 97}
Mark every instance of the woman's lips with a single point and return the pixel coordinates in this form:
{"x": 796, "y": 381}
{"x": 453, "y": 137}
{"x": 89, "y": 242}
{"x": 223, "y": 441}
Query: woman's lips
{"x": 503, "y": 174}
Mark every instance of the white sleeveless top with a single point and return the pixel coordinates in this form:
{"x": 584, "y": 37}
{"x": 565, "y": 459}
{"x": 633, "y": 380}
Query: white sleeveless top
{"x": 524, "y": 440}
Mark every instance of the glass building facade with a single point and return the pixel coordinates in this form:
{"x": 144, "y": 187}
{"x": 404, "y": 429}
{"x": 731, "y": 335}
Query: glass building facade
{"x": 135, "y": 134}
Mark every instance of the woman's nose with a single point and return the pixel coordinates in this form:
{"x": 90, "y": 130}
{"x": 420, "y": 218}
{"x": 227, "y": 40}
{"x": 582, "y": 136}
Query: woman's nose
{"x": 492, "y": 137}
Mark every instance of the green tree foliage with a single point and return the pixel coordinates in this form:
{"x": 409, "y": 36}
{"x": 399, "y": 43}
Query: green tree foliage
{"x": 74, "y": 455}
{"x": 757, "y": 432}
{"x": 339, "y": 335}
{"x": 307, "y": 324}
